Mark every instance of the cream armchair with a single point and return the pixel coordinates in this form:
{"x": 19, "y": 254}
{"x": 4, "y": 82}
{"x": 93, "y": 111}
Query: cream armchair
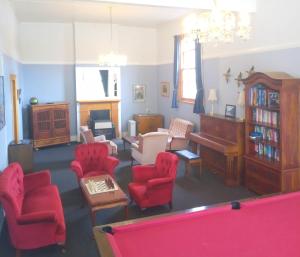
{"x": 88, "y": 137}
{"x": 145, "y": 150}
{"x": 178, "y": 133}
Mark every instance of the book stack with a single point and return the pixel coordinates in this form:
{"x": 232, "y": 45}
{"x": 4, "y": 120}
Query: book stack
{"x": 268, "y": 134}
{"x": 267, "y": 151}
{"x": 265, "y": 116}
{"x": 258, "y": 96}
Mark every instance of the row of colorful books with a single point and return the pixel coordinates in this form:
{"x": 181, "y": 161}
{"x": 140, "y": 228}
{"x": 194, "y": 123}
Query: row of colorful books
{"x": 267, "y": 151}
{"x": 260, "y": 96}
{"x": 267, "y": 134}
{"x": 265, "y": 116}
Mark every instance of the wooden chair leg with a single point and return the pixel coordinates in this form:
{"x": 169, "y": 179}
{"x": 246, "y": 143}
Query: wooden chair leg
{"x": 18, "y": 253}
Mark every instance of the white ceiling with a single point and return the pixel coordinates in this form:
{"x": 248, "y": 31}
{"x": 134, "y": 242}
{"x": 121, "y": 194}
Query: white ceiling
{"x": 148, "y": 13}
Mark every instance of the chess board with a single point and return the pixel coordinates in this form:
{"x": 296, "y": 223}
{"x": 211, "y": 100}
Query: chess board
{"x": 99, "y": 186}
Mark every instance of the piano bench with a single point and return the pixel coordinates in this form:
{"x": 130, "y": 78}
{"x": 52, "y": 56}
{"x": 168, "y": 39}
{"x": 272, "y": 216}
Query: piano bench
{"x": 190, "y": 159}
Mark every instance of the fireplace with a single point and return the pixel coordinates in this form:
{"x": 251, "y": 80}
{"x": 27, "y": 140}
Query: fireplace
{"x": 84, "y": 109}
{"x": 100, "y": 123}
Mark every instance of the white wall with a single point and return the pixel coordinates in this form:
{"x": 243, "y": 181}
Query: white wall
{"x": 46, "y": 43}
{"x": 8, "y": 30}
{"x": 52, "y": 43}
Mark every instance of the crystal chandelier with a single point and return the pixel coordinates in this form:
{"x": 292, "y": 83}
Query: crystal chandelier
{"x": 112, "y": 58}
{"x": 218, "y": 25}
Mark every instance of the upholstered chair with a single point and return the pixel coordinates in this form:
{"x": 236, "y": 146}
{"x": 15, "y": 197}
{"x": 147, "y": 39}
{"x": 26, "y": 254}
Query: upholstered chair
{"x": 93, "y": 160}
{"x": 88, "y": 137}
{"x": 152, "y": 185}
{"x": 178, "y": 131}
{"x": 33, "y": 209}
{"x": 145, "y": 150}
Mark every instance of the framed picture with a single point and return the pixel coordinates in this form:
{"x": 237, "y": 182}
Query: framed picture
{"x": 230, "y": 111}
{"x": 165, "y": 89}
{"x": 2, "y": 103}
{"x": 139, "y": 92}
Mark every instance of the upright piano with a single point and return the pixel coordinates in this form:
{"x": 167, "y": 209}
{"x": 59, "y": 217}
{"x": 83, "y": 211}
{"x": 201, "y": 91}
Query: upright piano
{"x": 221, "y": 143}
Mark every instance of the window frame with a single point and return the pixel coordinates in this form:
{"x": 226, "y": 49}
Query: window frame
{"x": 180, "y": 86}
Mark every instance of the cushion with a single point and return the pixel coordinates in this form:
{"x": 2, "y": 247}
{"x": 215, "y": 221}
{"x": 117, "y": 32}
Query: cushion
{"x": 45, "y": 199}
{"x": 94, "y": 173}
{"x": 88, "y": 135}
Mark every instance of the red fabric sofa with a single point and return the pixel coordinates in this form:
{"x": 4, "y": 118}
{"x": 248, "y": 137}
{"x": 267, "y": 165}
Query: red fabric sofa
{"x": 153, "y": 184}
{"x": 93, "y": 160}
{"x": 32, "y": 208}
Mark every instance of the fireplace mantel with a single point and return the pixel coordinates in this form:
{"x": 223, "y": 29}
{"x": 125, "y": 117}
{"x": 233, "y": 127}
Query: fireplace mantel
{"x": 84, "y": 108}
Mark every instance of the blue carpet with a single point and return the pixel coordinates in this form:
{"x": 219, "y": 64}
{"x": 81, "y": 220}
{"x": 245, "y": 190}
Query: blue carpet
{"x": 189, "y": 192}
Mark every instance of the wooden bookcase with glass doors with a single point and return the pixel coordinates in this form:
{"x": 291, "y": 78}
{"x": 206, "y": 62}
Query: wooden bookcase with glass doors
{"x": 272, "y": 162}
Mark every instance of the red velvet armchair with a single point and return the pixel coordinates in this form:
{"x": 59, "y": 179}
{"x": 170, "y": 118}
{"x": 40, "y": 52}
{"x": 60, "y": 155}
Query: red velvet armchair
{"x": 153, "y": 184}
{"x": 32, "y": 208}
{"x": 93, "y": 160}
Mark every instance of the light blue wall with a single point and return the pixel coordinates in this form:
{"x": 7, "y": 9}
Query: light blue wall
{"x": 49, "y": 83}
{"x": 52, "y": 83}
{"x": 287, "y": 60}
{"x": 132, "y": 75}
{"x": 11, "y": 66}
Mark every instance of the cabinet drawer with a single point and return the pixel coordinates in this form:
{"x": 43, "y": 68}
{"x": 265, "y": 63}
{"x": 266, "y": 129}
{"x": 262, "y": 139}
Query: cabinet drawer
{"x": 262, "y": 180}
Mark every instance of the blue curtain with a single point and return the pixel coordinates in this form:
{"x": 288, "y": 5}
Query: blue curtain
{"x": 198, "y": 106}
{"x": 176, "y": 70}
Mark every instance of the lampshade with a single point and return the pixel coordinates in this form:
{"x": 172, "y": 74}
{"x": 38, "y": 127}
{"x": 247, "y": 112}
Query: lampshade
{"x": 212, "y": 95}
{"x": 241, "y": 98}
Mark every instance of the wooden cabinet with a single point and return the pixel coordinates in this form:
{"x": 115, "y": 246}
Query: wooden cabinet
{"x": 272, "y": 138}
{"x": 148, "y": 122}
{"x": 50, "y": 124}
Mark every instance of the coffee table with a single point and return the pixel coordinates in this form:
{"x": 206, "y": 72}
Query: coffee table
{"x": 129, "y": 140}
{"x": 103, "y": 200}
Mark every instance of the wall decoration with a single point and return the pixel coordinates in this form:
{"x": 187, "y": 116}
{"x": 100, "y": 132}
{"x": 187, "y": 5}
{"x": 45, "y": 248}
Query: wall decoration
{"x": 2, "y": 103}
{"x": 139, "y": 92}
{"x": 230, "y": 111}
{"x": 227, "y": 75}
{"x": 251, "y": 71}
{"x": 239, "y": 79}
{"x": 165, "y": 89}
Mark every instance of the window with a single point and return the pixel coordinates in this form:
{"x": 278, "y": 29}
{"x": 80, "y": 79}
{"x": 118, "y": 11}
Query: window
{"x": 187, "y": 86}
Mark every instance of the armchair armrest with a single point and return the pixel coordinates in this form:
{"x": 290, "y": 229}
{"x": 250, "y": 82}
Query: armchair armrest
{"x": 76, "y": 167}
{"x": 37, "y": 217}
{"x": 158, "y": 182}
{"x": 37, "y": 179}
{"x": 110, "y": 163}
{"x": 100, "y": 138}
{"x": 163, "y": 130}
{"x": 142, "y": 173}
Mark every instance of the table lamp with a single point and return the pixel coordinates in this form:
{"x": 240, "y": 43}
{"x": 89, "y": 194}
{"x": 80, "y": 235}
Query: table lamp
{"x": 212, "y": 97}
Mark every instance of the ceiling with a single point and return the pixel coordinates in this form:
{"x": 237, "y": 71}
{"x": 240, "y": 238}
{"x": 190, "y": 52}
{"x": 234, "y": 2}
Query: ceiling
{"x": 149, "y": 13}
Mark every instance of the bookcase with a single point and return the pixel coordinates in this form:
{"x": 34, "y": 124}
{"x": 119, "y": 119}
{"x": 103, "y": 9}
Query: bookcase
{"x": 272, "y": 131}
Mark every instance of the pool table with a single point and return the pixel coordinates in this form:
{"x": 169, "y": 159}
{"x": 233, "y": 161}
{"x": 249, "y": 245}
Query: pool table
{"x": 266, "y": 227}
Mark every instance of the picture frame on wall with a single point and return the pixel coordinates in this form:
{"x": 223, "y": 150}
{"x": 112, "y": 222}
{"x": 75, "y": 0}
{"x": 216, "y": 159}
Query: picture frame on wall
{"x": 2, "y": 103}
{"x": 165, "y": 89}
{"x": 230, "y": 111}
{"x": 139, "y": 93}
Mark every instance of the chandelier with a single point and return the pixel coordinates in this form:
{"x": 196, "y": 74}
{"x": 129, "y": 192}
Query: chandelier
{"x": 112, "y": 58}
{"x": 218, "y": 25}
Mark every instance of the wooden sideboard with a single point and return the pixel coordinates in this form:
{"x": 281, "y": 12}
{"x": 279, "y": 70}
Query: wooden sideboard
{"x": 148, "y": 122}
{"x": 50, "y": 124}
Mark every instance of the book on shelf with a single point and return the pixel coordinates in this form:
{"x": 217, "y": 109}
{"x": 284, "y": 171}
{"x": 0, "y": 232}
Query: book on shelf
{"x": 265, "y": 116}
{"x": 261, "y": 96}
{"x": 267, "y": 134}
{"x": 267, "y": 151}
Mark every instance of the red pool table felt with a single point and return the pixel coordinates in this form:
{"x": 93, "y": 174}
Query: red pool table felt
{"x": 268, "y": 227}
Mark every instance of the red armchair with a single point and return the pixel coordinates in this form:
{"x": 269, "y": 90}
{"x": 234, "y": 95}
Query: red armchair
{"x": 153, "y": 184}
{"x": 93, "y": 160}
{"x": 32, "y": 208}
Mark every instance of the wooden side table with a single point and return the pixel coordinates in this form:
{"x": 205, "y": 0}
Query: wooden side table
{"x": 190, "y": 159}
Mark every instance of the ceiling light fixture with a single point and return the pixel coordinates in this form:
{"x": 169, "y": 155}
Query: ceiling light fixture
{"x": 218, "y": 25}
{"x": 112, "y": 58}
